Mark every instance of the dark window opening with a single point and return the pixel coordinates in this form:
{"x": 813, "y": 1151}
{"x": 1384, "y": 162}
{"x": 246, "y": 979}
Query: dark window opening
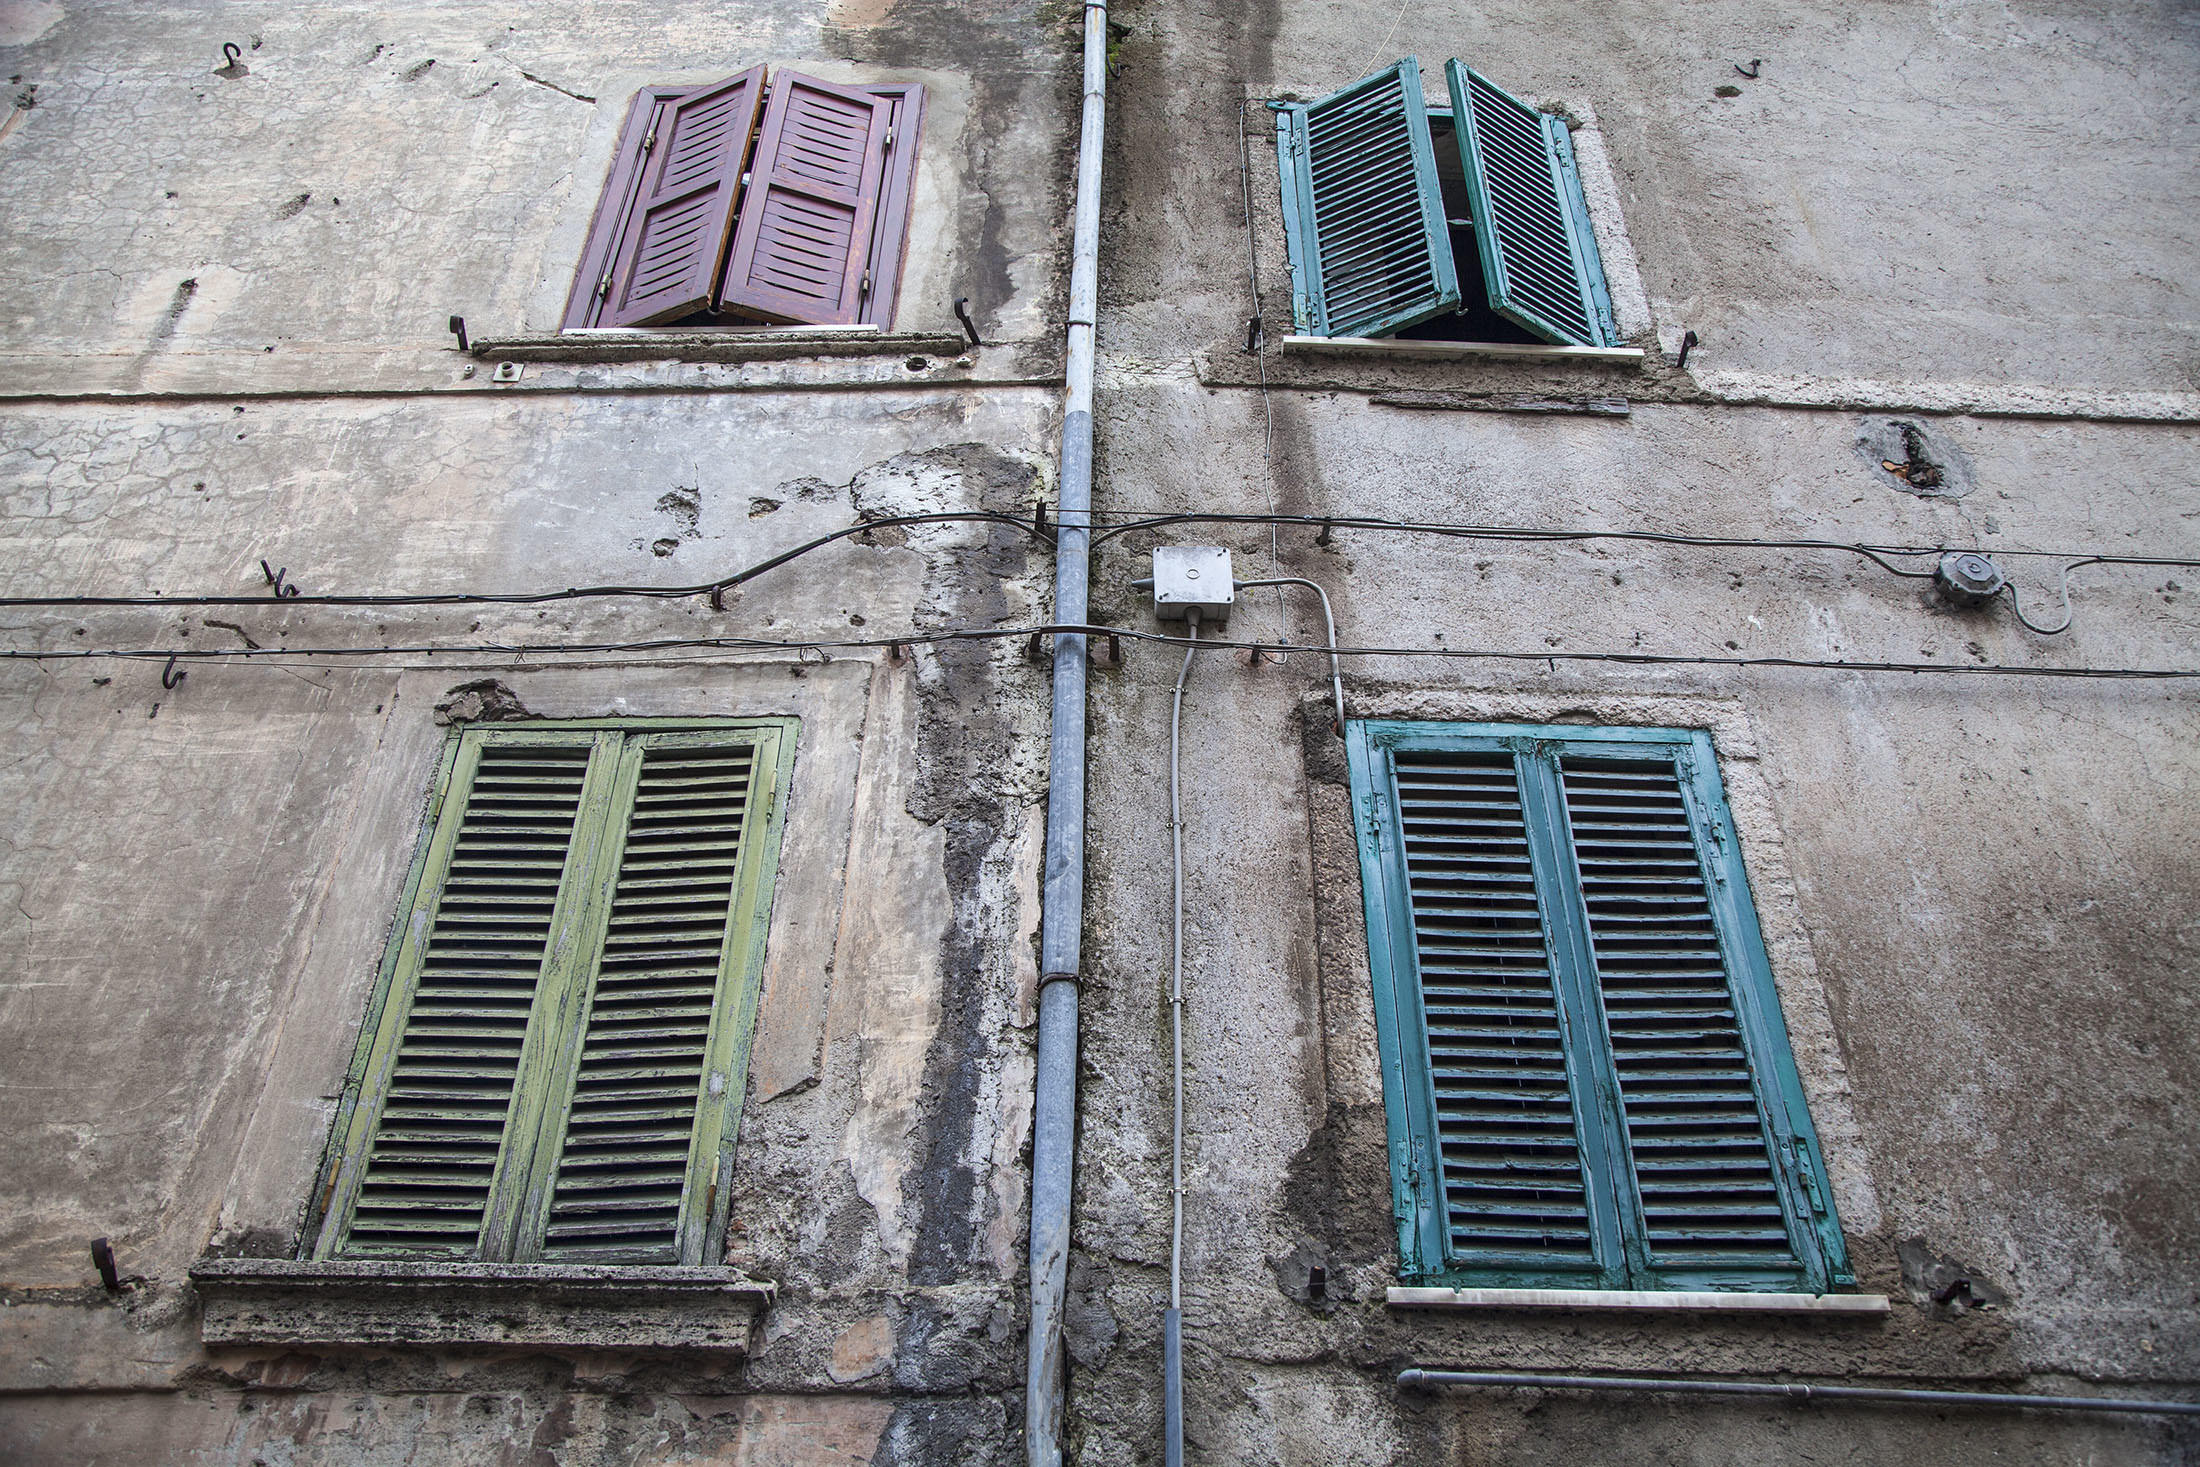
{"x": 1474, "y": 320}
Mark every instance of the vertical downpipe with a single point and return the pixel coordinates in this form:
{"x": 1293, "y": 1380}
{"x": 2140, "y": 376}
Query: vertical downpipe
{"x": 1054, "y": 1116}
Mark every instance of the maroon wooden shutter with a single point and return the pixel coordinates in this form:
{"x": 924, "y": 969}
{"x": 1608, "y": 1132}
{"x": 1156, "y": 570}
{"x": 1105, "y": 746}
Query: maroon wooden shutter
{"x": 615, "y": 205}
{"x": 890, "y": 230}
{"x": 801, "y": 251}
{"x": 666, "y": 257}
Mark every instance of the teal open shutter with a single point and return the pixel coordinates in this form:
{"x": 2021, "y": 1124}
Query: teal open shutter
{"x": 1539, "y": 256}
{"x": 1363, "y": 213}
{"x": 1588, "y": 1081}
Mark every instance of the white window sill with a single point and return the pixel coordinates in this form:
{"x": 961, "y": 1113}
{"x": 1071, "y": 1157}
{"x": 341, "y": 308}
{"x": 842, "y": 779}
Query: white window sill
{"x": 1638, "y": 1299}
{"x": 1383, "y": 346}
{"x": 719, "y": 344}
{"x": 256, "y": 1301}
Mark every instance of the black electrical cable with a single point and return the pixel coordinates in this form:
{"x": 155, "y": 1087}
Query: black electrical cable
{"x": 1034, "y": 527}
{"x": 757, "y": 644}
{"x": 1039, "y": 530}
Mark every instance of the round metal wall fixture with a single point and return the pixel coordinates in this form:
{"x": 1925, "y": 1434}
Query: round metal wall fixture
{"x": 1969, "y": 577}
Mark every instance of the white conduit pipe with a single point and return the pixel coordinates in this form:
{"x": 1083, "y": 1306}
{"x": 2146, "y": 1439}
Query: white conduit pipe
{"x": 1054, "y": 1101}
{"x": 1172, "y": 1318}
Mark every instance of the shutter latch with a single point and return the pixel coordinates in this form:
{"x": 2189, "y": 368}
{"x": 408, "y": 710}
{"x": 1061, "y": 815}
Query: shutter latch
{"x": 864, "y": 289}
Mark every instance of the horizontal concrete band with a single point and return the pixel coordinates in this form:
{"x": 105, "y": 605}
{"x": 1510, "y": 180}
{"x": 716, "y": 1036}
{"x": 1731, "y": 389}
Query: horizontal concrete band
{"x": 1377, "y": 346}
{"x": 1640, "y": 1299}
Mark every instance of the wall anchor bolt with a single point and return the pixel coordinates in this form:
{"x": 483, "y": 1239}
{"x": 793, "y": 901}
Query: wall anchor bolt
{"x": 1324, "y": 537}
{"x": 458, "y": 329}
{"x": 103, "y": 1259}
{"x": 170, "y": 679}
{"x": 1688, "y": 344}
{"x": 1113, "y": 656}
{"x": 1317, "y": 1282}
{"x": 1039, "y": 517}
{"x": 962, "y": 314}
{"x": 283, "y": 591}
{"x": 1033, "y": 652}
{"x": 1253, "y": 335}
{"x": 897, "y": 652}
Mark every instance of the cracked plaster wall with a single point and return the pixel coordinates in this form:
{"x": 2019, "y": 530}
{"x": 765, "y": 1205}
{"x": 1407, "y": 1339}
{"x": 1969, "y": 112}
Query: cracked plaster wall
{"x": 1976, "y": 888}
{"x": 222, "y": 301}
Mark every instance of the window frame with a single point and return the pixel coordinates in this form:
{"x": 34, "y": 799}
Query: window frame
{"x": 535, "y": 1128}
{"x": 1302, "y": 237}
{"x": 1793, "y": 1151}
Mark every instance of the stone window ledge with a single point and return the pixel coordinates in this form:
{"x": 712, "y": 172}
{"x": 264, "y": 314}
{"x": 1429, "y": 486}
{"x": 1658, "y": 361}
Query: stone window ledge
{"x": 259, "y": 1301}
{"x": 761, "y": 344}
{"x": 1414, "y": 349}
{"x": 1851, "y": 1305}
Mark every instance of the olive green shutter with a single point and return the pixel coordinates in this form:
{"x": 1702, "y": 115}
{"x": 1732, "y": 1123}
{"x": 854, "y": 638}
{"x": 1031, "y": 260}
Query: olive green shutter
{"x": 556, "y": 1059}
{"x": 1590, "y": 1085}
{"x": 657, "y": 1085}
{"x": 484, "y": 953}
{"x": 1363, "y": 212}
{"x": 1540, "y": 265}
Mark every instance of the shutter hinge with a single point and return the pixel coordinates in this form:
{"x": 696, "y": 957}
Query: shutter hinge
{"x": 889, "y": 137}
{"x": 1799, "y": 1168}
{"x": 603, "y": 286}
{"x": 650, "y": 141}
{"x": 864, "y": 288}
{"x": 744, "y": 180}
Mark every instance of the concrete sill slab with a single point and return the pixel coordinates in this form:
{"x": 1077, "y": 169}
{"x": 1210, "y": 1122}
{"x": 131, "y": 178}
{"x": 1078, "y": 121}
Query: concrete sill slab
{"x": 1379, "y": 346}
{"x": 262, "y": 1301}
{"x": 760, "y": 344}
{"x": 1639, "y": 1299}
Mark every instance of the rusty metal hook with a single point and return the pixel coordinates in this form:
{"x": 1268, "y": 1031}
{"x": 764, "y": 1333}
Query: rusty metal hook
{"x": 231, "y": 53}
{"x": 1750, "y": 70}
{"x": 1688, "y": 344}
{"x": 275, "y": 579}
{"x": 962, "y": 314}
{"x": 171, "y": 679}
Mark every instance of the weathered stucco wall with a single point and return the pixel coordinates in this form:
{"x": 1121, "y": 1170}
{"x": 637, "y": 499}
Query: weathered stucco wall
{"x": 222, "y": 301}
{"x": 1977, "y": 890}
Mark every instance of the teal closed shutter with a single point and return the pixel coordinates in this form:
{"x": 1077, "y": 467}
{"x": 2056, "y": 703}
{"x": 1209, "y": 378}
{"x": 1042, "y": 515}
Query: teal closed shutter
{"x": 1539, "y": 256}
{"x": 1363, "y": 212}
{"x": 1706, "y": 1194}
{"x": 1507, "y": 1146}
{"x": 1588, "y": 1080}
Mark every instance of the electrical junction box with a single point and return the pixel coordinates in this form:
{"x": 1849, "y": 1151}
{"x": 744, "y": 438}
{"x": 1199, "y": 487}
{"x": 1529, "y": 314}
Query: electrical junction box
{"x": 1190, "y": 578}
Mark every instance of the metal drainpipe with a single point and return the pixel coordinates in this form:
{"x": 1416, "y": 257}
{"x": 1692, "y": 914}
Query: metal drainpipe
{"x": 1054, "y": 1114}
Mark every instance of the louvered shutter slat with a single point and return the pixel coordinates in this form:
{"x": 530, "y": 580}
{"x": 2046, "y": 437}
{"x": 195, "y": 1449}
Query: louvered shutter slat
{"x": 799, "y": 254}
{"x": 441, "y": 1128}
{"x": 624, "y": 1168}
{"x": 1705, "y": 1176}
{"x": 1512, "y": 1182}
{"x": 1364, "y": 215}
{"x": 1538, "y": 254}
{"x": 665, "y": 262}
